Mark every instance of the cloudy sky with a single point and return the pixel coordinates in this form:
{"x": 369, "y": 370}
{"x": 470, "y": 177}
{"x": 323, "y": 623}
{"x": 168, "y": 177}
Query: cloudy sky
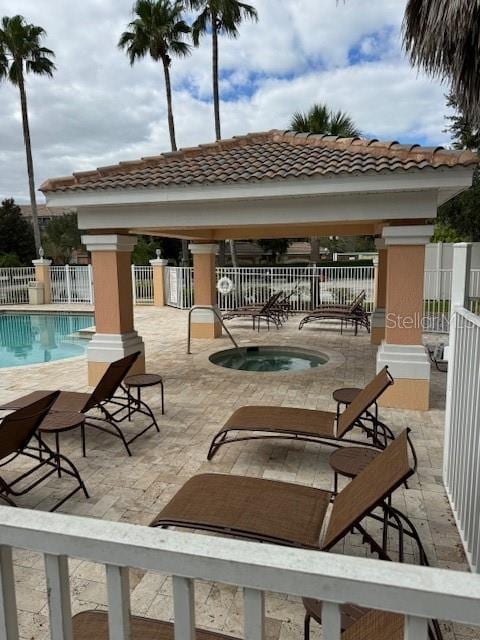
{"x": 97, "y": 110}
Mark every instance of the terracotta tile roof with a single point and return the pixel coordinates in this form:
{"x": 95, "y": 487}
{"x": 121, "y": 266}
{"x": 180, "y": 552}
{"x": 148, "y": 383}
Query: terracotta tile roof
{"x": 272, "y": 155}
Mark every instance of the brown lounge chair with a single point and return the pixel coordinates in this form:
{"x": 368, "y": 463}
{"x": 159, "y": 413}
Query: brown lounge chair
{"x": 114, "y": 408}
{"x": 370, "y": 625}
{"x": 18, "y": 437}
{"x": 351, "y": 314}
{"x": 267, "y": 312}
{"x": 291, "y": 423}
{"x": 295, "y": 515}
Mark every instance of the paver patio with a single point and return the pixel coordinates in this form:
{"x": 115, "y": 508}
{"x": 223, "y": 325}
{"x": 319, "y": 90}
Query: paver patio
{"x": 199, "y": 397}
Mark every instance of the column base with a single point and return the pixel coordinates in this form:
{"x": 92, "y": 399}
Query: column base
{"x": 410, "y": 368}
{"x": 205, "y": 324}
{"x": 107, "y": 348}
{"x": 377, "y": 327}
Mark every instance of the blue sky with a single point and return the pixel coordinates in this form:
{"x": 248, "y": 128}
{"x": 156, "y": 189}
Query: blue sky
{"x": 98, "y": 111}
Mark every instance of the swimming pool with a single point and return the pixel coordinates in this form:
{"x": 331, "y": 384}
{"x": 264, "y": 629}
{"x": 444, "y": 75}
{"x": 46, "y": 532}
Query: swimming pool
{"x": 32, "y": 338}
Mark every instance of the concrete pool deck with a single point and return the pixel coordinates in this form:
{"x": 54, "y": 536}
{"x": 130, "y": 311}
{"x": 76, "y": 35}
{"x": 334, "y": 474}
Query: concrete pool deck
{"x": 199, "y": 398}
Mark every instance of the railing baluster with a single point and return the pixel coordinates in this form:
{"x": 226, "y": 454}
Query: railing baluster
{"x": 254, "y": 614}
{"x": 8, "y": 605}
{"x": 331, "y": 621}
{"x": 415, "y": 628}
{"x": 118, "y": 587}
{"x": 59, "y": 604}
{"x": 184, "y": 608}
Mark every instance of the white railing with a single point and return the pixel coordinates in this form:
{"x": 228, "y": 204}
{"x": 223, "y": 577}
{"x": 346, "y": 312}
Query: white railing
{"x": 14, "y": 284}
{"x": 142, "y": 285}
{"x": 462, "y": 430}
{"x": 179, "y": 287}
{"x": 419, "y": 593}
{"x": 71, "y": 284}
{"x": 437, "y": 294}
{"x": 474, "y": 291}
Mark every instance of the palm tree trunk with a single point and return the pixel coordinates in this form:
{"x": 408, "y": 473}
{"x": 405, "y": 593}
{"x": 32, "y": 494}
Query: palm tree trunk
{"x": 185, "y": 254}
{"x": 216, "y": 94}
{"x": 314, "y": 250}
{"x": 233, "y": 254}
{"x": 168, "y": 91}
{"x": 28, "y": 149}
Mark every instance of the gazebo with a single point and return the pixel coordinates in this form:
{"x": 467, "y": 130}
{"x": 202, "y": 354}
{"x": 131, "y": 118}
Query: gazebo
{"x": 269, "y": 185}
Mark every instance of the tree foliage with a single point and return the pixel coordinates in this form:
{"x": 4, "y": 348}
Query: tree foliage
{"x": 320, "y": 119}
{"x": 145, "y": 250}
{"x": 276, "y": 247}
{"x": 61, "y": 237}
{"x": 16, "y": 234}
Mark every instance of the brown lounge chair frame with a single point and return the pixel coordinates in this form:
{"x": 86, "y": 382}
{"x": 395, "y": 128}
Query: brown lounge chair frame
{"x": 114, "y": 409}
{"x": 352, "y": 314}
{"x": 288, "y": 423}
{"x": 293, "y": 515}
{"x": 18, "y": 437}
{"x": 93, "y": 625}
{"x": 267, "y": 312}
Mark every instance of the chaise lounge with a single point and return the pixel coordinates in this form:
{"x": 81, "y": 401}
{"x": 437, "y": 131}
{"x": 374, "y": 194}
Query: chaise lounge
{"x": 350, "y": 314}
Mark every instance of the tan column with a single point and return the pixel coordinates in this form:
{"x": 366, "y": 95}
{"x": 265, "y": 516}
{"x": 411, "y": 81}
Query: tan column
{"x": 42, "y": 275}
{"x": 378, "y": 316}
{"x": 159, "y": 280}
{"x": 115, "y": 336}
{"x": 402, "y": 349}
{"x": 204, "y": 322}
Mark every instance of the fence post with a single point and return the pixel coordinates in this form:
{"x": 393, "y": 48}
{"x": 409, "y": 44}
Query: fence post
{"x": 461, "y": 274}
{"x": 68, "y": 283}
{"x": 159, "y": 297}
{"x": 42, "y": 275}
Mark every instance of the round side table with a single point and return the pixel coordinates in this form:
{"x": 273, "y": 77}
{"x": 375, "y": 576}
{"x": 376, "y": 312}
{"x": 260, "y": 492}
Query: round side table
{"x": 57, "y": 422}
{"x": 140, "y": 381}
{"x": 350, "y": 461}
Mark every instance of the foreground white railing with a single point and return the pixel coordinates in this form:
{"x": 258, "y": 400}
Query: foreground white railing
{"x": 462, "y": 430}
{"x": 417, "y": 592}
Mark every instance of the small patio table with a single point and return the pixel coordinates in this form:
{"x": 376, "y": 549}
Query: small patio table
{"x": 58, "y": 422}
{"x": 140, "y": 381}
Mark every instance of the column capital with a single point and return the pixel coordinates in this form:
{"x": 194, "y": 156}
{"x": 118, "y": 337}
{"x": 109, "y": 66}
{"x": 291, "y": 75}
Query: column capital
{"x": 41, "y": 262}
{"x": 408, "y": 235}
{"x": 205, "y": 248}
{"x": 159, "y": 262}
{"x": 110, "y": 242}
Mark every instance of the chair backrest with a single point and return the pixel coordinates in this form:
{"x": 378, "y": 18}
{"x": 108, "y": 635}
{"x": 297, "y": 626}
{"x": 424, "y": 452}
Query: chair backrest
{"x": 357, "y": 302}
{"x": 376, "y": 625}
{"x": 111, "y": 380}
{"x": 367, "y": 396}
{"x": 272, "y": 301}
{"x": 17, "y": 428}
{"x": 378, "y": 480}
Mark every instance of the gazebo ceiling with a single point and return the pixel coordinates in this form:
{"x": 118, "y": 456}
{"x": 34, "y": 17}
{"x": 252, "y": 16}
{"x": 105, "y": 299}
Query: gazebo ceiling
{"x": 267, "y": 185}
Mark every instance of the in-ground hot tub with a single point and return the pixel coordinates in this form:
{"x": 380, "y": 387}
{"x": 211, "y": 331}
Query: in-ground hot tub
{"x": 269, "y": 359}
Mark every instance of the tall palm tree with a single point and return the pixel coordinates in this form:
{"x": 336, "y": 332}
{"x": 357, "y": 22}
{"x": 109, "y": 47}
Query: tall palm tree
{"x": 158, "y": 30}
{"x": 21, "y": 53}
{"x": 319, "y": 119}
{"x": 219, "y": 17}
{"x": 443, "y": 37}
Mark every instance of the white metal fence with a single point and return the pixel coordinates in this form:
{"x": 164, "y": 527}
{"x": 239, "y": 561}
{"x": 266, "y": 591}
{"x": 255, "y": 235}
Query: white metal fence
{"x": 462, "y": 429}
{"x": 72, "y": 284}
{"x": 417, "y": 592}
{"x": 142, "y": 285}
{"x": 14, "y": 284}
{"x": 307, "y": 286}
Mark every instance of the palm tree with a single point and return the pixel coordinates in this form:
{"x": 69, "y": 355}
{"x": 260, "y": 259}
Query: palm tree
{"x": 158, "y": 30}
{"x": 443, "y": 38}
{"x": 319, "y": 119}
{"x": 220, "y": 17}
{"x": 20, "y": 54}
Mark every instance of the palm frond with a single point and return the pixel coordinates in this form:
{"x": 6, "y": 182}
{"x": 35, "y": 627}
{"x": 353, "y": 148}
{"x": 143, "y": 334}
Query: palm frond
{"x": 322, "y": 121}
{"x": 443, "y": 38}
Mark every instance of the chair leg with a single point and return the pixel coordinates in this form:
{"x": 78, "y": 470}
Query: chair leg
{"x": 163, "y": 399}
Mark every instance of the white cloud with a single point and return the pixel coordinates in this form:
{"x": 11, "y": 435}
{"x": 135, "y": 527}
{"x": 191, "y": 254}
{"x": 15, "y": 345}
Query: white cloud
{"x": 98, "y": 110}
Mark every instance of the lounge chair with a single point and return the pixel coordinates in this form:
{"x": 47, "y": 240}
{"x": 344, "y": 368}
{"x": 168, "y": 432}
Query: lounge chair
{"x": 18, "y": 437}
{"x": 268, "y": 312}
{"x": 312, "y": 425}
{"x": 295, "y": 515}
{"x": 369, "y": 625}
{"x": 114, "y": 408}
{"x": 350, "y": 314}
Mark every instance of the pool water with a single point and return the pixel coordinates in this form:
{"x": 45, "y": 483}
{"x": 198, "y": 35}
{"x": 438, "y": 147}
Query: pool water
{"x": 266, "y": 359}
{"x": 32, "y": 338}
